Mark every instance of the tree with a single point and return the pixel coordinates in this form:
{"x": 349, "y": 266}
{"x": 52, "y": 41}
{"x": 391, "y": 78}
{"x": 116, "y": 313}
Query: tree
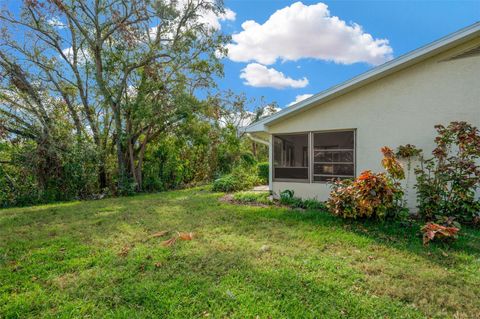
{"x": 100, "y": 59}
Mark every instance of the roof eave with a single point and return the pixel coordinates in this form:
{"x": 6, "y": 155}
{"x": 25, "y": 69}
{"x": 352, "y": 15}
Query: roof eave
{"x": 374, "y": 74}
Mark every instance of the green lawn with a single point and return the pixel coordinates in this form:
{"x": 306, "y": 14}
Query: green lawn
{"x": 66, "y": 260}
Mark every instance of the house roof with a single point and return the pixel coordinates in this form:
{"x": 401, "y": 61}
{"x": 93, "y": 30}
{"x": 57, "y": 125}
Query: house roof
{"x": 395, "y": 65}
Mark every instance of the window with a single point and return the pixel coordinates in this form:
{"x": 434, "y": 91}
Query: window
{"x": 290, "y": 156}
{"x": 333, "y": 155}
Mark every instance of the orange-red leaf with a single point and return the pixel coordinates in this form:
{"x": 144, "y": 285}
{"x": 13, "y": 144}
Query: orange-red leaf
{"x": 159, "y": 234}
{"x": 169, "y": 242}
{"x": 185, "y": 236}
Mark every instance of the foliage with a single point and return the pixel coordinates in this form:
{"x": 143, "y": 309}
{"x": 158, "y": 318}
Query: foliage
{"x": 240, "y": 179}
{"x": 314, "y": 204}
{"x": 105, "y": 101}
{"x": 447, "y": 182}
{"x": 287, "y": 197}
{"x": 72, "y": 173}
{"x": 263, "y": 171}
{"x": 391, "y": 164}
{"x": 408, "y": 151}
{"x": 433, "y": 231}
{"x": 62, "y": 261}
{"x": 370, "y": 195}
{"x": 253, "y": 197}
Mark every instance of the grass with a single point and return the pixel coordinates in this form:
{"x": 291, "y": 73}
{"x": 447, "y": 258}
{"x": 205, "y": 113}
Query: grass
{"x": 249, "y": 197}
{"x": 94, "y": 259}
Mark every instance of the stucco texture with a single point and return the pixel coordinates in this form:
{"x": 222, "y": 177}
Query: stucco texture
{"x": 398, "y": 109}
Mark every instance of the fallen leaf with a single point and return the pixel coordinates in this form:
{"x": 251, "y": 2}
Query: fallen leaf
{"x": 169, "y": 242}
{"x": 185, "y": 236}
{"x": 159, "y": 234}
{"x": 158, "y": 264}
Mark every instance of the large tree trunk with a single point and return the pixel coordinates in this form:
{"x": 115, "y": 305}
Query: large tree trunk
{"x": 119, "y": 146}
{"x": 102, "y": 174}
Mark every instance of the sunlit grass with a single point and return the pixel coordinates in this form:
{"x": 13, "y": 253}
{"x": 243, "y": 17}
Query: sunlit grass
{"x": 65, "y": 261}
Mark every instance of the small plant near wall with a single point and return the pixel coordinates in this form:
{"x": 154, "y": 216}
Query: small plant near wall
{"x": 408, "y": 152}
{"x": 447, "y": 182}
{"x": 433, "y": 231}
{"x": 371, "y": 195}
{"x": 287, "y": 198}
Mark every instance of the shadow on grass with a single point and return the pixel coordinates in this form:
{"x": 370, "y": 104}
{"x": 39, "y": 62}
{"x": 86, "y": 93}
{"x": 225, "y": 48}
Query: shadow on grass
{"x": 223, "y": 271}
{"x": 399, "y": 235}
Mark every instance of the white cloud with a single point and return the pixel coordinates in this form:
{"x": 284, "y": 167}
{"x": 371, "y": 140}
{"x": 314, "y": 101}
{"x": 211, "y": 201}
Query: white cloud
{"x": 213, "y": 20}
{"x": 306, "y": 31}
{"x": 56, "y": 23}
{"x": 258, "y": 75}
{"x": 209, "y": 17}
{"x": 299, "y": 98}
{"x": 82, "y": 56}
{"x": 270, "y": 109}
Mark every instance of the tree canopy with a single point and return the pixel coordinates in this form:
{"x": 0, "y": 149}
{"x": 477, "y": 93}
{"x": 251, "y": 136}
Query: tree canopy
{"x": 96, "y": 95}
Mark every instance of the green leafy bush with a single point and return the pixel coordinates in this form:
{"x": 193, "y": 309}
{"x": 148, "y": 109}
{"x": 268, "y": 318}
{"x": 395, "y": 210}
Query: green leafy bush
{"x": 263, "y": 171}
{"x": 287, "y": 197}
{"x": 314, "y": 204}
{"x": 447, "y": 182}
{"x": 253, "y": 197}
{"x": 240, "y": 179}
{"x": 371, "y": 195}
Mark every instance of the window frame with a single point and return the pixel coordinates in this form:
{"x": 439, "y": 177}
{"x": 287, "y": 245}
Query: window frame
{"x": 310, "y": 135}
{"x": 354, "y": 131}
{"x": 294, "y": 180}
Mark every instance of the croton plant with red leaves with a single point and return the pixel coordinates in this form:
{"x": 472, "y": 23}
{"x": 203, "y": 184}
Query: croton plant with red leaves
{"x": 370, "y": 194}
{"x": 433, "y": 231}
{"x": 447, "y": 182}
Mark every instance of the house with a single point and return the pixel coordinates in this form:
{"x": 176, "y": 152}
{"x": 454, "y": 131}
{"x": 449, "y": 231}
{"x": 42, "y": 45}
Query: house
{"x": 338, "y": 133}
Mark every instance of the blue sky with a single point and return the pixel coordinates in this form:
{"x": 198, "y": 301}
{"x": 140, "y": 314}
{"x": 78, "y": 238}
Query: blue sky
{"x": 289, "y": 49}
{"x": 406, "y": 25}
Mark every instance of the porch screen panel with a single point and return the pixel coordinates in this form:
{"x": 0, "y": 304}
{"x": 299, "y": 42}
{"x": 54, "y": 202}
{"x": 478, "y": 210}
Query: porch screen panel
{"x": 333, "y": 155}
{"x": 290, "y": 157}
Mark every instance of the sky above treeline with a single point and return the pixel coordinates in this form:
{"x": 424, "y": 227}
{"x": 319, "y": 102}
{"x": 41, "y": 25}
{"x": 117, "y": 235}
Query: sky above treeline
{"x": 285, "y": 50}
{"x": 289, "y": 50}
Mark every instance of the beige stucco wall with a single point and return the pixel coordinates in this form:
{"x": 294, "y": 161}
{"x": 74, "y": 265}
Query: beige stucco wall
{"x": 398, "y": 109}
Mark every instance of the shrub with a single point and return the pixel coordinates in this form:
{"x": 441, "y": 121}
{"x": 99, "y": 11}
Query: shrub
{"x": 408, "y": 151}
{"x": 287, "y": 197}
{"x": 447, "y": 182}
{"x": 226, "y": 183}
{"x": 314, "y": 204}
{"x": 370, "y": 195}
{"x": 433, "y": 231}
{"x": 253, "y": 197}
{"x": 240, "y": 179}
{"x": 263, "y": 171}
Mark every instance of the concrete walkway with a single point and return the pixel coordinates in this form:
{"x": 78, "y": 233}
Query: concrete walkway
{"x": 261, "y": 188}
